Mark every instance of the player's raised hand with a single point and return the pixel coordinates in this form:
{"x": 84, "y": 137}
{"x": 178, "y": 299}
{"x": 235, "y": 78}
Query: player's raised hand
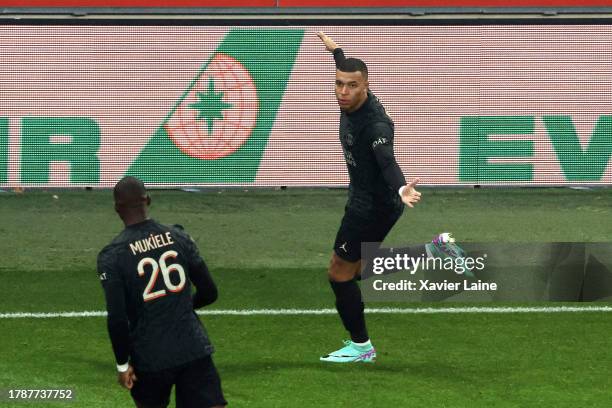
{"x": 127, "y": 378}
{"x": 409, "y": 194}
{"x": 330, "y": 45}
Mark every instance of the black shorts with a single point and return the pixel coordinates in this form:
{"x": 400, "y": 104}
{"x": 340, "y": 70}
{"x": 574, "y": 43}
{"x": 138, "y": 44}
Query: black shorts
{"x": 365, "y": 224}
{"x": 197, "y": 385}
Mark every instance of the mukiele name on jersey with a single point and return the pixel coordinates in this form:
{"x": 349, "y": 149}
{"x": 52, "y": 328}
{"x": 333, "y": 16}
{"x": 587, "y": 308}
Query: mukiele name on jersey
{"x": 151, "y": 242}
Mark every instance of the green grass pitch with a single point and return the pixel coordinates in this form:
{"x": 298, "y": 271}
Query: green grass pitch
{"x": 270, "y": 249}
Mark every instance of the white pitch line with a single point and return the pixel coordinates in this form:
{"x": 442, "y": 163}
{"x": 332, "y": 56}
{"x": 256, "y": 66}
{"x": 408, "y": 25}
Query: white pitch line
{"x": 314, "y": 312}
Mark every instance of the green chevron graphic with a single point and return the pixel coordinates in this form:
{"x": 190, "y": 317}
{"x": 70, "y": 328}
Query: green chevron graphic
{"x": 219, "y": 128}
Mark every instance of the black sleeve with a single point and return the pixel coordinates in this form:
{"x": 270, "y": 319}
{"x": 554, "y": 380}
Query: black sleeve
{"x": 381, "y": 136}
{"x": 117, "y": 321}
{"x": 206, "y": 290}
{"x": 339, "y": 56}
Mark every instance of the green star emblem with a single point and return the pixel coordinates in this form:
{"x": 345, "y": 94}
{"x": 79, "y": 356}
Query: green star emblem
{"x": 210, "y": 105}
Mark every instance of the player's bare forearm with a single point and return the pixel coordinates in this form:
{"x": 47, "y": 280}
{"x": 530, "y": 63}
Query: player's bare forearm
{"x": 330, "y": 45}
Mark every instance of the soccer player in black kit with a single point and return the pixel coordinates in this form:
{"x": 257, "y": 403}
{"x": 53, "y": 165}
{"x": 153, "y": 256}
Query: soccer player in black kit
{"x": 377, "y": 194}
{"x": 157, "y": 338}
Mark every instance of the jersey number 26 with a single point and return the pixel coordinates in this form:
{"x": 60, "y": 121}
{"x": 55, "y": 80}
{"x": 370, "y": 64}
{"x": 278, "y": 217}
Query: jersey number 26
{"x": 166, "y": 270}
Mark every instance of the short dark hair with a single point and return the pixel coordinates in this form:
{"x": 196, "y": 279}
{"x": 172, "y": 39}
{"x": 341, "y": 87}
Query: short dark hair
{"x": 353, "y": 65}
{"x": 130, "y": 192}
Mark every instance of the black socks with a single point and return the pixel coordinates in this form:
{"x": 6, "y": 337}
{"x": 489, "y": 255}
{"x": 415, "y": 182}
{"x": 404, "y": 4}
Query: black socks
{"x": 350, "y": 308}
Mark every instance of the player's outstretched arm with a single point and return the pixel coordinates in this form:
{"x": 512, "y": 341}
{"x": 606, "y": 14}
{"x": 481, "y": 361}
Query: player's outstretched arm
{"x": 410, "y": 196}
{"x": 330, "y": 45}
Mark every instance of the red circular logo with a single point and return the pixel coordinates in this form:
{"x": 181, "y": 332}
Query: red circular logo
{"x": 219, "y": 113}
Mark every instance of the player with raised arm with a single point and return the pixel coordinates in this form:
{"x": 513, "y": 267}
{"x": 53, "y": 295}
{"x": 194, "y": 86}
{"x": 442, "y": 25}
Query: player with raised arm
{"x": 377, "y": 194}
{"x": 157, "y": 338}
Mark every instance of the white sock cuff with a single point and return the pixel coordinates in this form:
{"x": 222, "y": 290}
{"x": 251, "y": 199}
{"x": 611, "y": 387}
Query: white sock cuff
{"x": 367, "y": 343}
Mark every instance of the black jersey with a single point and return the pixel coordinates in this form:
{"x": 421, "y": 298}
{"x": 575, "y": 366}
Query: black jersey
{"x": 367, "y": 136}
{"x": 145, "y": 272}
{"x": 361, "y": 133}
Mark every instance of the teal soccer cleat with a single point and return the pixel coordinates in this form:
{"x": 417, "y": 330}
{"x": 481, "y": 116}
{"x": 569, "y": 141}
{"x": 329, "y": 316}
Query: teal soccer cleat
{"x": 351, "y": 353}
{"x": 444, "y": 246}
